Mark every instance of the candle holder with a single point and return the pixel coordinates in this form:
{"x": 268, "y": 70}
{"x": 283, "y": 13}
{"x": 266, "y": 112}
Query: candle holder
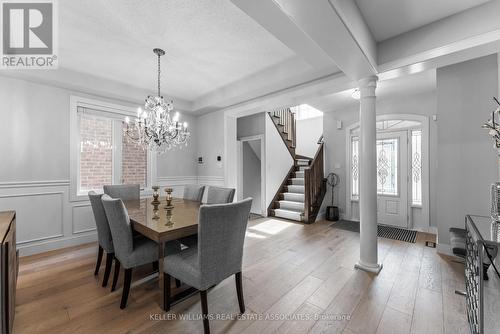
{"x": 156, "y": 196}
{"x": 169, "y": 197}
{"x": 156, "y": 211}
{"x": 169, "y": 216}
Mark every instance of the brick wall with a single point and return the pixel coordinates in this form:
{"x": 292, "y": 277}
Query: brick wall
{"x": 134, "y": 162}
{"x": 96, "y": 154}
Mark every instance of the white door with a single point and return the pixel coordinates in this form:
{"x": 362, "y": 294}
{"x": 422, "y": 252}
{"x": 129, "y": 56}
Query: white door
{"x": 392, "y": 178}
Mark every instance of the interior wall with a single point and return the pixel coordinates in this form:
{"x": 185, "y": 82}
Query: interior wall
{"x": 467, "y": 159}
{"x": 309, "y": 130}
{"x": 335, "y": 145}
{"x": 252, "y": 174}
{"x": 35, "y": 172}
{"x": 210, "y": 145}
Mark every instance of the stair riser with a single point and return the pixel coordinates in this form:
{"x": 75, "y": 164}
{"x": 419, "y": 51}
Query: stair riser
{"x": 293, "y": 197}
{"x": 299, "y": 175}
{"x": 295, "y": 189}
{"x": 288, "y": 215}
{"x": 291, "y": 205}
{"x": 298, "y": 181}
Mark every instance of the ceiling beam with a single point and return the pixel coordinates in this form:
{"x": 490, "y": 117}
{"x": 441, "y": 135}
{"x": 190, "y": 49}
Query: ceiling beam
{"x": 334, "y": 28}
{"x": 471, "y": 29}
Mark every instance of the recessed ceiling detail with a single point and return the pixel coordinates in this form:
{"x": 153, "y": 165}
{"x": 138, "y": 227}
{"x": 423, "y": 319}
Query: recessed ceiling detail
{"x": 389, "y": 18}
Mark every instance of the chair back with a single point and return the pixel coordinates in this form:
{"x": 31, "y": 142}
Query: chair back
{"x": 217, "y": 195}
{"x": 119, "y": 224}
{"x": 221, "y": 234}
{"x": 193, "y": 192}
{"x": 101, "y": 222}
{"x": 125, "y": 192}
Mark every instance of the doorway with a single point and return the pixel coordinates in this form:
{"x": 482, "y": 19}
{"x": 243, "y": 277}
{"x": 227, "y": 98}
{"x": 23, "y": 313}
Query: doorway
{"x": 251, "y": 173}
{"x": 402, "y": 171}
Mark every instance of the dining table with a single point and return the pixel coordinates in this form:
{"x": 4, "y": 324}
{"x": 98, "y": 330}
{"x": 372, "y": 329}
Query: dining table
{"x": 162, "y": 223}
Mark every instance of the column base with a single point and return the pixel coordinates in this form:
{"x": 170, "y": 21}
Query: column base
{"x": 372, "y": 269}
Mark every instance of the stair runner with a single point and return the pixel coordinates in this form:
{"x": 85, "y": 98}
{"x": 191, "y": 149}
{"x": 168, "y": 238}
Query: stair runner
{"x": 291, "y": 204}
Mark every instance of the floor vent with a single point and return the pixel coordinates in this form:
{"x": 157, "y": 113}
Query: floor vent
{"x": 383, "y": 231}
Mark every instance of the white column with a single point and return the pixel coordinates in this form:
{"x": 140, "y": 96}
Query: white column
{"x": 368, "y": 176}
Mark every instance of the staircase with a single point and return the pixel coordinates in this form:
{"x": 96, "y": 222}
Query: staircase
{"x": 300, "y": 194}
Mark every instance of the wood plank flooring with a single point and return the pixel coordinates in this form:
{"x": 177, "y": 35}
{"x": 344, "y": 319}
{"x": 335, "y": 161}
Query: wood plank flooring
{"x": 296, "y": 279}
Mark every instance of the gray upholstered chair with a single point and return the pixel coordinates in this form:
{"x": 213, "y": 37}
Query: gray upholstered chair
{"x": 217, "y": 195}
{"x": 130, "y": 252}
{"x": 193, "y": 192}
{"x": 125, "y": 192}
{"x": 103, "y": 236}
{"x": 217, "y": 255}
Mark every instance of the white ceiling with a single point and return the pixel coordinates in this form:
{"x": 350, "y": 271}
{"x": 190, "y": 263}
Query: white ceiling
{"x": 402, "y": 86}
{"x": 389, "y": 18}
{"x": 209, "y": 43}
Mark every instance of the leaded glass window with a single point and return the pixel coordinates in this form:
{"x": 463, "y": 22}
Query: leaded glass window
{"x": 387, "y": 166}
{"x": 355, "y": 167}
{"x": 416, "y": 167}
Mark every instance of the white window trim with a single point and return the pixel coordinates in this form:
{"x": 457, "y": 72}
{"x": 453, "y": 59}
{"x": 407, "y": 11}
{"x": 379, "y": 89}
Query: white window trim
{"x": 74, "y": 143}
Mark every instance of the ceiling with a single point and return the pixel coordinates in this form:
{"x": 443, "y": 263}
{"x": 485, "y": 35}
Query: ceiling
{"x": 209, "y": 43}
{"x": 407, "y": 85}
{"x": 389, "y": 18}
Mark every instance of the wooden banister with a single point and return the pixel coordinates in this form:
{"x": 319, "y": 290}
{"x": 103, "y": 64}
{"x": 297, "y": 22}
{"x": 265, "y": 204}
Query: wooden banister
{"x": 284, "y": 120}
{"x": 314, "y": 186}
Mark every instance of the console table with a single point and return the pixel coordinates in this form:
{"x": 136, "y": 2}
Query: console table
{"x": 483, "y": 296}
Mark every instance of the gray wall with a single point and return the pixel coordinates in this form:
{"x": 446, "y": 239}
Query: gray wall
{"x": 467, "y": 160}
{"x": 210, "y": 144}
{"x": 251, "y": 175}
{"x": 35, "y": 168}
{"x": 251, "y": 125}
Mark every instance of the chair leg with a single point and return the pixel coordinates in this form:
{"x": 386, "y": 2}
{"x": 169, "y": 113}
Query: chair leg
{"x": 166, "y": 292}
{"x": 115, "y": 275}
{"x": 156, "y": 265}
{"x": 107, "y": 270}
{"x": 126, "y": 287}
{"x": 177, "y": 283}
{"x": 204, "y": 311}
{"x": 239, "y": 291}
{"x": 99, "y": 260}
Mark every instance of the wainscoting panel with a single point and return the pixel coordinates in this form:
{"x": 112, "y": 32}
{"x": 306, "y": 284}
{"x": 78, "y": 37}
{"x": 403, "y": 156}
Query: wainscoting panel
{"x": 47, "y": 220}
{"x": 83, "y": 218}
{"x": 39, "y": 215}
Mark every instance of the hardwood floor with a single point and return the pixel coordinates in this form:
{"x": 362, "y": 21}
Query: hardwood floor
{"x": 302, "y": 272}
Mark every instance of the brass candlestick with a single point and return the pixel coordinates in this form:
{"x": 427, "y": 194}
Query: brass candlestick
{"x": 156, "y": 196}
{"x": 169, "y": 197}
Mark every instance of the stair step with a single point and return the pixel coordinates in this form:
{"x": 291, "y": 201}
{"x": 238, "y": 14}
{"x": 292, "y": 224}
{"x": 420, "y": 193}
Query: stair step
{"x": 296, "y": 189}
{"x": 302, "y": 168}
{"x": 299, "y": 181}
{"x": 299, "y": 174}
{"x": 289, "y": 214}
{"x": 291, "y": 205}
{"x": 294, "y": 197}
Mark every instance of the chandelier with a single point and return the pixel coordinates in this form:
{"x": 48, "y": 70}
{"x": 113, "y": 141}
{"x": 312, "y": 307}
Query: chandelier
{"x": 155, "y": 127}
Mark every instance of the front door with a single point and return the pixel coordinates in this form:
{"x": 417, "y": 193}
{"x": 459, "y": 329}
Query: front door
{"x": 392, "y": 178}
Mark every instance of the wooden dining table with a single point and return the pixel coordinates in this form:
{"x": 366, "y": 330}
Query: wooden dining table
{"x": 160, "y": 224}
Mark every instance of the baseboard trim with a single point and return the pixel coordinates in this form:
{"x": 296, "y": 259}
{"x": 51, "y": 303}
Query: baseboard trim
{"x": 48, "y": 245}
{"x": 444, "y": 249}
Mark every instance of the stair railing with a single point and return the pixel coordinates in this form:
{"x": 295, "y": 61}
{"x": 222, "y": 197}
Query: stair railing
{"x": 314, "y": 184}
{"x": 288, "y": 121}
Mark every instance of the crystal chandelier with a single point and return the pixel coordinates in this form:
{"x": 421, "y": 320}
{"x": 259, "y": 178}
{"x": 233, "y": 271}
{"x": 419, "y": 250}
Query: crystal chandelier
{"x": 155, "y": 127}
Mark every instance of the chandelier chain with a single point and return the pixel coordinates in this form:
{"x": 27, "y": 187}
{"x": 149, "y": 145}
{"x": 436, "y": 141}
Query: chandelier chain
{"x": 159, "y": 74}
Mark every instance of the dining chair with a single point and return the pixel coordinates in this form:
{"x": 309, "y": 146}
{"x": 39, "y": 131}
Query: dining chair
{"x": 125, "y": 192}
{"x": 217, "y": 255}
{"x": 104, "y": 238}
{"x": 130, "y": 252}
{"x": 193, "y": 192}
{"x": 218, "y": 195}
